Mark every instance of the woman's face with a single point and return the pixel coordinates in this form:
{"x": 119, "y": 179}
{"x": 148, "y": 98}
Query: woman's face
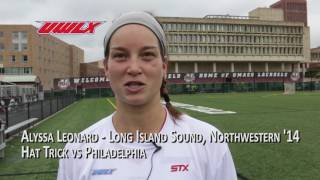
{"x": 134, "y": 66}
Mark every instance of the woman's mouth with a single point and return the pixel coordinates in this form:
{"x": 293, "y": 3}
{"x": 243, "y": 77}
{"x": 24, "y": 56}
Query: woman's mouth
{"x": 134, "y": 86}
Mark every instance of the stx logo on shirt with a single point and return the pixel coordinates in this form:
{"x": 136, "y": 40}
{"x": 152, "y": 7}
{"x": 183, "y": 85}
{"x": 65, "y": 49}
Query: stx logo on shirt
{"x": 179, "y": 167}
{"x": 68, "y": 27}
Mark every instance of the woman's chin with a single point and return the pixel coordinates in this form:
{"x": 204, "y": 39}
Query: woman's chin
{"x": 135, "y": 101}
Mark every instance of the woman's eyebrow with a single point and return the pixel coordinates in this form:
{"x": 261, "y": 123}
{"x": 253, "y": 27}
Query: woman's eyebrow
{"x": 142, "y": 49}
{"x": 149, "y": 47}
{"x": 118, "y": 48}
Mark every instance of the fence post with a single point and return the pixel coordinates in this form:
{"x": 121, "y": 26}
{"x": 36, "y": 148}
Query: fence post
{"x": 41, "y": 103}
{"x": 2, "y": 138}
{"x": 254, "y": 82}
{"x": 7, "y": 116}
{"x": 62, "y": 101}
{"x": 57, "y": 103}
{"x": 50, "y": 105}
{"x": 283, "y": 83}
{"x": 28, "y": 110}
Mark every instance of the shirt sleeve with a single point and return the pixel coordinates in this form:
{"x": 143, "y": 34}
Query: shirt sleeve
{"x": 226, "y": 169}
{"x": 66, "y": 170}
{"x": 61, "y": 171}
{"x": 220, "y": 165}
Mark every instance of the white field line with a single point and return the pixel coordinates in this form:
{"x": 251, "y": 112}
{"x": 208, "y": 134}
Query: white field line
{"x": 201, "y": 109}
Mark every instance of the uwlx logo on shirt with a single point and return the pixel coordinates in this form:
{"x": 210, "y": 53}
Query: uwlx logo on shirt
{"x": 102, "y": 172}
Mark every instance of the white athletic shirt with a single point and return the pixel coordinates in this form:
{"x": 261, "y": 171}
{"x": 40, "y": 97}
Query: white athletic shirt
{"x": 174, "y": 161}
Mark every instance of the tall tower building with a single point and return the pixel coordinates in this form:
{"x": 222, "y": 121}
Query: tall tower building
{"x": 293, "y": 10}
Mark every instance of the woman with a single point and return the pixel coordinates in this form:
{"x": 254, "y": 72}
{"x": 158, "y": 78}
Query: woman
{"x": 136, "y": 65}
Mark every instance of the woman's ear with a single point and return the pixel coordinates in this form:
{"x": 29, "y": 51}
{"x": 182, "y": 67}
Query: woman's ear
{"x": 165, "y": 66}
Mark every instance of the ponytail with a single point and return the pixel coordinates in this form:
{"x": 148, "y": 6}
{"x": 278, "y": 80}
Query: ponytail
{"x": 164, "y": 93}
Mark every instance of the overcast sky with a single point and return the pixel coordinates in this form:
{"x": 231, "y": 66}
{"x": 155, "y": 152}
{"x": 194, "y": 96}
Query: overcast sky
{"x": 30, "y": 11}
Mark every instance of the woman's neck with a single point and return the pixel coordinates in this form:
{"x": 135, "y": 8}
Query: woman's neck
{"x": 147, "y": 118}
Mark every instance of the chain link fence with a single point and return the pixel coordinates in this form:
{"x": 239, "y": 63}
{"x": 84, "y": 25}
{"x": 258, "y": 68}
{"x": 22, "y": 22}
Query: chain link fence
{"x": 53, "y": 101}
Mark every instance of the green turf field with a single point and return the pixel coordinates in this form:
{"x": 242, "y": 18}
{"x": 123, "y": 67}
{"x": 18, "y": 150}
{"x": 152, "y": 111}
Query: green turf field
{"x": 256, "y": 112}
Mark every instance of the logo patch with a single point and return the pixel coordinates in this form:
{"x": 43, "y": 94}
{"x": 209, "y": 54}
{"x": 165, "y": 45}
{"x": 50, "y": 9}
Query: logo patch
{"x": 102, "y": 172}
{"x": 179, "y": 167}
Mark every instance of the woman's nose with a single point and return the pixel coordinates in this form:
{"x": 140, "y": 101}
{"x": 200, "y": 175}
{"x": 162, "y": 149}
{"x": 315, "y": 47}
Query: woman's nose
{"x": 134, "y": 67}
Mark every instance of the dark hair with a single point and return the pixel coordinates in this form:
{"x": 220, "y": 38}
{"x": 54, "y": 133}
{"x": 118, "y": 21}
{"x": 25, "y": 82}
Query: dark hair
{"x": 164, "y": 94}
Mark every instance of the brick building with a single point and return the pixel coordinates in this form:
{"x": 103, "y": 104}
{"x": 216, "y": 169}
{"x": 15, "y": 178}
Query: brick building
{"x": 24, "y": 52}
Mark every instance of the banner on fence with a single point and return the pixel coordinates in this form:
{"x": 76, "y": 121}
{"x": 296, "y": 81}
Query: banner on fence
{"x": 185, "y": 78}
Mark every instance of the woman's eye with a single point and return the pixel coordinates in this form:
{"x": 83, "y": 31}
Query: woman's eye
{"x": 118, "y": 56}
{"x": 148, "y": 55}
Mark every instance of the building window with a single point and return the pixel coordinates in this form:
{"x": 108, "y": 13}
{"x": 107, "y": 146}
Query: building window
{"x": 213, "y": 27}
{"x": 202, "y": 50}
{"x": 249, "y": 49}
{"x": 179, "y": 27}
{"x": 208, "y": 39}
{"x": 27, "y": 70}
{"x": 198, "y": 27}
{"x": 214, "y": 50}
{"x": 207, "y": 27}
{"x": 24, "y": 46}
{"x": 24, "y": 58}
{"x": 19, "y": 41}
{"x": 174, "y": 27}
{"x": 15, "y": 35}
{"x": 1, "y": 58}
{"x": 188, "y": 38}
{"x": 188, "y": 49}
{"x": 188, "y": 27}
{"x": 203, "y": 27}
{"x": 1, "y": 34}
{"x": 184, "y": 38}
{"x": 222, "y": 39}
{"x": 169, "y": 27}
{"x": 15, "y": 46}
{"x": 169, "y": 39}
{"x": 211, "y": 40}
{"x": 183, "y": 27}
{"x": 203, "y": 38}
{"x": 17, "y": 70}
{"x": 13, "y": 58}
{"x": 1, "y": 46}
{"x": 24, "y": 35}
